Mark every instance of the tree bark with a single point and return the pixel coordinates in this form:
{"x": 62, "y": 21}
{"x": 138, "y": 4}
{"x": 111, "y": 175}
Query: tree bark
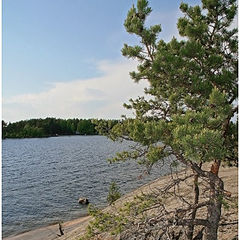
{"x": 215, "y": 205}
{"x": 194, "y": 212}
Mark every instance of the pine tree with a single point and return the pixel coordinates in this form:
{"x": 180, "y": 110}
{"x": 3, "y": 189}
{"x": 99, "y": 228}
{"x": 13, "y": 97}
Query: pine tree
{"x": 191, "y": 107}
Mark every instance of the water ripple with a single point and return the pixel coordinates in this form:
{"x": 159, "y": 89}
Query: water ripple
{"x": 43, "y": 178}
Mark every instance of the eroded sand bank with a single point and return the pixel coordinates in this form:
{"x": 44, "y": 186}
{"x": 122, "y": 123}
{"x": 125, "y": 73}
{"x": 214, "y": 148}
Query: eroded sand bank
{"x": 75, "y": 228}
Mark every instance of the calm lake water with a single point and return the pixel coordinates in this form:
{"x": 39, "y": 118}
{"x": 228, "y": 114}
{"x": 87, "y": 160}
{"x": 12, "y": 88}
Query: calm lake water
{"x": 42, "y": 179}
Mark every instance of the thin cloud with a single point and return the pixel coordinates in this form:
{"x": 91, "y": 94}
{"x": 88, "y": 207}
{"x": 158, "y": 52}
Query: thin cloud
{"x": 100, "y": 97}
{"x": 169, "y": 28}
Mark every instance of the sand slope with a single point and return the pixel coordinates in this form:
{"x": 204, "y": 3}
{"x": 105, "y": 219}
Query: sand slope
{"x": 74, "y": 229}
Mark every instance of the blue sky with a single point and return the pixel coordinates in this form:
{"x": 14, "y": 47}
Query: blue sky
{"x": 62, "y": 58}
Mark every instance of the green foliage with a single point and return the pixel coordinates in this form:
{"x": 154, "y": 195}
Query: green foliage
{"x": 224, "y": 202}
{"x": 85, "y": 127}
{"x": 192, "y": 96}
{"x": 193, "y": 86}
{"x": 104, "y": 222}
{"x": 50, "y": 127}
{"x": 115, "y": 222}
{"x": 113, "y": 193}
{"x": 104, "y": 126}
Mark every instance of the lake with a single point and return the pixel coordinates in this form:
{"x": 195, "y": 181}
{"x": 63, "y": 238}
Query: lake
{"x": 42, "y": 178}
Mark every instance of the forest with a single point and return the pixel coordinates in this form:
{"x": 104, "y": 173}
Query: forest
{"x": 50, "y": 127}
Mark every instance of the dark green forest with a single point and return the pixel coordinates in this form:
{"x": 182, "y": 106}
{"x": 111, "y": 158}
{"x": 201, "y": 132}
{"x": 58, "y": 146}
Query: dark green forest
{"x": 52, "y": 127}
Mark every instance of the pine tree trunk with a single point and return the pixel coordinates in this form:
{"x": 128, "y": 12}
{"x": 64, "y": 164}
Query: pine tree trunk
{"x": 194, "y": 212}
{"x": 214, "y": 208}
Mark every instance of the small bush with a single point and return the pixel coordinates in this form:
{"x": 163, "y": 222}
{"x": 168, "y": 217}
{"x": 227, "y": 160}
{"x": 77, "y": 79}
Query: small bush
{"x": 113, "y": 193}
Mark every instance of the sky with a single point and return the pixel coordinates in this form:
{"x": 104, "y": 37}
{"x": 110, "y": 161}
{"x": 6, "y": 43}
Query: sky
{"x": 62, "y": 58}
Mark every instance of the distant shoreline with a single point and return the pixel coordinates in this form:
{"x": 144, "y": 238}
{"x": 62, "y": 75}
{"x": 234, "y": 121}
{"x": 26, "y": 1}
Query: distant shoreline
{"x": 50, "y": 136}
{"x": 36, "y": 128}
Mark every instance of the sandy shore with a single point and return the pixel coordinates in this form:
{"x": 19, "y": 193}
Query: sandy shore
{"x": 75, "y": 228}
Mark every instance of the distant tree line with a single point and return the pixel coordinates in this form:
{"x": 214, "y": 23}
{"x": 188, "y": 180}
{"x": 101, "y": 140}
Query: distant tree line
{"x": 52, "y": 127}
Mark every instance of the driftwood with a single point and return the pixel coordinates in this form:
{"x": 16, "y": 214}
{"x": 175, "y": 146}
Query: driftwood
{"x": 61, "y": 230}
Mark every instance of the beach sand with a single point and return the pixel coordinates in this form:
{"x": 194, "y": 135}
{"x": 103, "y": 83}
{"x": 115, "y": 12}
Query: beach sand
{"x": 75, "y": 228}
